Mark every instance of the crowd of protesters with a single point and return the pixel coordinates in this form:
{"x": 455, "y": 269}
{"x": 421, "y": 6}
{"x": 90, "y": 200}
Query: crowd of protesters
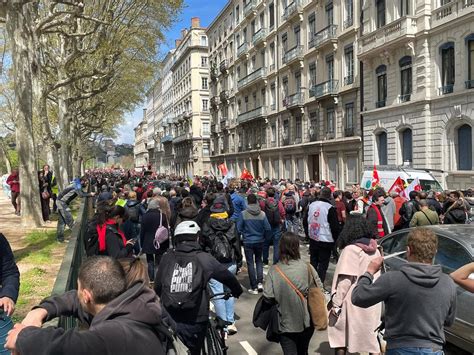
{"x": 207, "y": 231}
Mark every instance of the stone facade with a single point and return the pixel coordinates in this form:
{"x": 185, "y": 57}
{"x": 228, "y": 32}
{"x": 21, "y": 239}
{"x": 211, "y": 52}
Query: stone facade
{"x": 140, "y": 150}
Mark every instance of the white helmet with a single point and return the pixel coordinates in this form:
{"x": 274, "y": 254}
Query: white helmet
{"x": 187, "y": 227}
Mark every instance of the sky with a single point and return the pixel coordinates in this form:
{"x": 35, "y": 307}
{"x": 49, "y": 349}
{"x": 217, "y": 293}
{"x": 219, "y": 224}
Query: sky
{"x": 207, "y": 11}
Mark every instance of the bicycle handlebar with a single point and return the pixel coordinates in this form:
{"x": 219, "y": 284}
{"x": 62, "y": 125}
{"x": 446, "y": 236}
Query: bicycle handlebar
{"x": 226, "y": 295}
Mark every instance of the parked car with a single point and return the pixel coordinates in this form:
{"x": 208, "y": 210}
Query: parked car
{"x": 455, "y": 249}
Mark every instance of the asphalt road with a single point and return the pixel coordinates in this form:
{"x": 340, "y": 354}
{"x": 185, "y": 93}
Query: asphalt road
{"x": 250, "y": 340}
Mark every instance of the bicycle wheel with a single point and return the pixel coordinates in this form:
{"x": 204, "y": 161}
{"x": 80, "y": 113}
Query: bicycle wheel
{"x": 213, "y": 344}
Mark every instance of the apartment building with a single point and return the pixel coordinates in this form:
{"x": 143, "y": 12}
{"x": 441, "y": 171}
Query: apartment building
{"x": 418, "y": 78}
{"x": 140, "y": 150}
{"x": 166, "y": 138}
{"x": 285, "y": 89}
{"x": 153, "y": 114}
{"x": 191, "y": 123}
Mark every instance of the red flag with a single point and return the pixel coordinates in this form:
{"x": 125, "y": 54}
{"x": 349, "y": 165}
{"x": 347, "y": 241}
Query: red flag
{"x": 223, "y": 169}
{"x": 375, "y": 177}
{"x": 398, "y": 187}
{"x": 246, "y": 175}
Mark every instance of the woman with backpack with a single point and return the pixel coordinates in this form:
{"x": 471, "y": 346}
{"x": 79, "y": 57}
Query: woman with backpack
{"x": 286, "y": 283}
{"x": 151, "y": 221}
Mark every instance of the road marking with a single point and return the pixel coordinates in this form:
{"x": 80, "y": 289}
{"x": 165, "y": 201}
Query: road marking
{"x": 248, "y": 348}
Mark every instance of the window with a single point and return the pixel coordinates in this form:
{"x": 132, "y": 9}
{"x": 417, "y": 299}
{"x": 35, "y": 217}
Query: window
{"x": 330, "y": 120}
{"x": 203, "y": 41}
{"x": 237, "y": 14}
{"x": 380, "y": 4}
{"x": 332, "y": 168}
{"x": 272, "y": 55}
{"x": 470, "y": 58}
{"x": 382, "y": 148}
{"x": 284, "y": 42}
{"x": 205, "y": 149}
{"x": 271, "y": 12}
{"x": 464, "y": 147}
{"x": 313, "y": 118}
{"x": 204, "y": 84}
{"x": 451, "y": 255}
{"x": 330, "y": 66}
{"x": 349, "y": 117}
{"x": 262, "y": 20}
{"x": 298, "y": 82}
{"x": 351, "y": 166}
{"x": 252, "y": 27}
{"x": 312, "y": 25}
{"x": 205, "y": 105}
{"x": 349, "y": 13}
{"x": 406, "y": 79}
{"x": 286, "y": 131}
{"x": 312, "y": 74}
{"x": 330, "y": 13}
{"x": 262, "y": 95}
{"x": 273, "y": 132}
{"x": 204, "y": 62}
{"x": 273, "y": 96}
{"x": 404, "y": 8}
{"x": 349, "y": 65}
{"x": 205, "y": 128}
{"x": 297, "y": 32}
{"x": 381, "y": 73}
{"x": 285, "y": 86}
{"x": 298, "y": 129}
{"x": 447, "y": 68}
{"x": 407, "y": 146}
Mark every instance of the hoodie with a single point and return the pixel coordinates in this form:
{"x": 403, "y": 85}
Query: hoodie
{"x": 419, "y": 301}
{"x": 239, "y": 204}
{"x": 127, "y": 325}
{"x": 253, "y": 225}
{"x": 214, "y": 225}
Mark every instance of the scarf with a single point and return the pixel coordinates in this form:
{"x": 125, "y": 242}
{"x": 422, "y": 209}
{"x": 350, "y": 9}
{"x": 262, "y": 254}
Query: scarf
{"x": 102, "y": 232}
{"x": 368, "y": 245}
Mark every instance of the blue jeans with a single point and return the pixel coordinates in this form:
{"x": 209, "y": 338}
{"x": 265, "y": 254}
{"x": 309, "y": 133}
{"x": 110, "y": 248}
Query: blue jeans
{"x": 224, "y": 308}
{"x": 6, "y": 325}
{"x": 413, "y": 351}
{"x": 274, "y": 240}
{"x": 253, "y": 255}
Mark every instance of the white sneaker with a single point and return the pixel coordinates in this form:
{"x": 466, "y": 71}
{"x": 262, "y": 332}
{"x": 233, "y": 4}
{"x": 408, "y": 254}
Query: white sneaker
{"x": 253, "y": 291}
{"x": 232, "y": 329}
{"x": 260, "y": 287}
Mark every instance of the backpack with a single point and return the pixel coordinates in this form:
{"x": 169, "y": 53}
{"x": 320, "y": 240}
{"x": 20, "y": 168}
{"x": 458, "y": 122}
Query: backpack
{"x": 290, "y": 205}
{"x": 161, "y": 234}
{"x": 221, "y": 247}
{"x": 183, "y": 283}
{"x": 91, "y": 239}
{"x": 273, "y": 213}
{"x": 133, "y": 213}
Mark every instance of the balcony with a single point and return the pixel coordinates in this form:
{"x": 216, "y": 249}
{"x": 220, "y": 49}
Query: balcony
{"x": 249, "y": 8}
{"x": 215, "y": 128}
{"x": 243, "y": 49}
{"x": 167, "y": 139}
{"x": 224, "y": 66}
{"x": 326, "y": 35}
{"x": 224, "y": 123}
{"x": 187, "y": 114}
{"x": 349, "y": 132}
{"x": 183, "y": 137}
{"x": 259, "y": 36}
{"x": 224, "y": 96}
{"x": 349, "y": 80}
{"x": 385, "y": 38}
{"x": 380, "y": 104}
{"x": 253, "y": 114}
{"x": 214, "y": 102}
{"x": 451, "y": 11}
{"x": 446, "y": 89}
{"x": 292, "y": 9}
{"x": 251, "y": 78}
{"x": 404, "y": 98}
{"x": 293, "y": 54}
{"x": 469, "y": 84}
{"x": 329, "y": 87}
{"x": 214, "y": 73}
{"x": 295, "y": 100}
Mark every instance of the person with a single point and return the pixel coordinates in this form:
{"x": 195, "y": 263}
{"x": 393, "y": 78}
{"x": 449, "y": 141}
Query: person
{"x": 409, "y": 208}
{"x": 351, "y": 328}
{"x": 375, "y": 215}
{"x": 105, "y": 194}
{"x": 389, "y": 209}
{"x": 151, "y": 220}
{"x": 164, "y": 204}
{"x": 181, "y": 285}
{"x": 220, "y": 191}
{"x": 454, "y": 209}
{"x": 340, "y": 207}
{"x": 294, "y": 319}
{"x": 186, "y": 212}
{"x": 419, "y": 298}
{"x": 254, "y": 227}
{"x": 14, "y": 182}
{"x": 464, "y": 277}
{"x": 219, "y": 238}
{"x": 433, "y": 203}
{"x": 135, "y": 271}
{"x": 275, "y": 213}
{"x": 238, "y": 202}
{"x": 45, "y": 196}
{"x": 324, "y": 229}
{"x": 205, "y": 212}
{"x": 290, "y": 201}
{"x": 10, "y": 287}
{"x": 425, "y": 216}
{"x": 118, "y": 320}
{"x": 63, "y": 202}
{"x": 131, "y": 226}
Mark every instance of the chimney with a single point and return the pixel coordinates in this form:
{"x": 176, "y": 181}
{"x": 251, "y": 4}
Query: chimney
{"x": 195, "y": 22}
{"x": 184, "y": 32}
{"x": 177, "y": 43}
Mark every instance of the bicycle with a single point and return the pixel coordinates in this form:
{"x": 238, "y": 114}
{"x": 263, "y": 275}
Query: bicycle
{"x": 216, "y": 335}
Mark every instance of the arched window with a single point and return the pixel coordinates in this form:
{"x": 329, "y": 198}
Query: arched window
{"x": 464, "y": 147}
{"x": 405, "y": 79}
{"x": 382, "y": 148}
{"x": 407, "y": 145}
{"x": 381, "y": 73}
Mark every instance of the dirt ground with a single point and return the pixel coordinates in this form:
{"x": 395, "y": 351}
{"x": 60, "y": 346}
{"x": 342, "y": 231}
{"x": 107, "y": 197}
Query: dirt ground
{"x": 37, "y": 254}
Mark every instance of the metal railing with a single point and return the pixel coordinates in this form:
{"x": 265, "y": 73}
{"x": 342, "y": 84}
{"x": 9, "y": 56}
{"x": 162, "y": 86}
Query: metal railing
{"x": 322, "y": 36}
{"x": 469, "y": 83}
{"x": 243, "y": 48}
{"x": 446, "y": 89}
{"x": 296, "y": 99}
{"x": 259, "y": 36}
{"x": 73, "y": 258}
{"x": 327, "y": 88}
{"x": 257, "y": 74}
{"x": 293, "y": 53}
{"x": 250, "y": 115}
{"x": 249, "y": 7}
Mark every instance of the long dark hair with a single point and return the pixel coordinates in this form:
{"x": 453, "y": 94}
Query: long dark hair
{"x": 107, "y": 210}
{"x": 356, "y": 227}
{"x": 289, "y": 247}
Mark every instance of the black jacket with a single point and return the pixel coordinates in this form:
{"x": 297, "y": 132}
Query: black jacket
{"x": 127, "y": 325}
{"x": 227, "y": 227}
{"x": 9, "y": 274}
{"x": 150, "y": 223}
{"x": 212, "y": 269}
{"x": 434, "y": 205}
{"x": 114, "y": 244}
{"x": 203, "y": 216}
{"x": 407, "y": 211}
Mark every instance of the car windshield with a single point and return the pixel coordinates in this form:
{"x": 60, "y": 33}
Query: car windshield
{"x": 429, "y": 185}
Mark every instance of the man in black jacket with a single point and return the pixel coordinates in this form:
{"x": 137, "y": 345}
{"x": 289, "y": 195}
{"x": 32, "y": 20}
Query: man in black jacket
{"x": 176, "y": 276}
{"x": 409, "y": 208}
{"x": 120, "y": 321}
{"x": 420, "y": 300}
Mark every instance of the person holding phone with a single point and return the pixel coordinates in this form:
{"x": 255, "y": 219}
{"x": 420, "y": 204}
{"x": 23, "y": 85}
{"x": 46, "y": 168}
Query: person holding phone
{"x": 116, "y": 245}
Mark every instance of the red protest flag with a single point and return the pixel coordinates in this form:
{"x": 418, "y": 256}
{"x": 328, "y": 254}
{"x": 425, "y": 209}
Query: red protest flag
{"x": 375, "y": 177}
{"x": 398, "y": 187}
{"x": 223, "y": 169}
{"x": 246, "y": 175}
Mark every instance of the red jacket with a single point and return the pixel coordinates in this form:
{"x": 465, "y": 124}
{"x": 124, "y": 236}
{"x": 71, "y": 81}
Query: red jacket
{"x": 14, "y": 182}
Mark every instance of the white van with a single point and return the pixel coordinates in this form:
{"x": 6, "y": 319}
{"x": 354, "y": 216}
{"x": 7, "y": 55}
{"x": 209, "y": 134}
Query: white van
{"x": 388, "y": 176}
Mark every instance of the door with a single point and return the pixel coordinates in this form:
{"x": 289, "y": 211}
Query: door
{"x": 314, "y": 173}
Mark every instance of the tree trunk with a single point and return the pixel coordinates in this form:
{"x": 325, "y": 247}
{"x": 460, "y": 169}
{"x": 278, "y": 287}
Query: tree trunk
{"x": 18, "y": 25}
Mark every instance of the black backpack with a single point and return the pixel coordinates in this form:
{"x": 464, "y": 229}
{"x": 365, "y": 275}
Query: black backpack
{"x": 273, "y": 213}
{"x": 183, "y": 283}
{"x": 134, "y": 213}
{"x": 221, "y": 247}
{"x": 91, "y": 239}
